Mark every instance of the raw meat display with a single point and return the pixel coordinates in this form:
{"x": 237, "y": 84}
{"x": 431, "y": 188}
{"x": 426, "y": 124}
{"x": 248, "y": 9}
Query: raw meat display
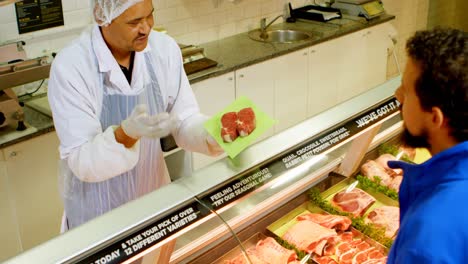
{"x": 329, "y": 221}
{"x": 350, "y": 250}
{"x": 309, "y": 236}
{"x": 229, "y": 127}
{"x": 383, "y": 159}
{"x": 237, "y": 124}
{"x": 387, "y": 217}
{"x": 355, "y": 201}
{"x": 389, "y": 177}
{"x": 370, "y": 169}
{"x": 395, "y": 183}
{"x": 325, "y": 260}
{"x": 245, "y": 121}
{"x": 267, "y": 251}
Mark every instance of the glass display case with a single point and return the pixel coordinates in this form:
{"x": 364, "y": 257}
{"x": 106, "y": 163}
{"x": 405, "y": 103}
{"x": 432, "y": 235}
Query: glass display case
{"x": 203, "y": 217}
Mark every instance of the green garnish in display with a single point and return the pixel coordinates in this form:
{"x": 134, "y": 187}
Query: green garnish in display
{"x": 375, "y": 186}
{"x": 388, "y": 148}
{"x": 374, "y": 232}
{"x": 300, "y": 254}
{"x": 394, "y": 150}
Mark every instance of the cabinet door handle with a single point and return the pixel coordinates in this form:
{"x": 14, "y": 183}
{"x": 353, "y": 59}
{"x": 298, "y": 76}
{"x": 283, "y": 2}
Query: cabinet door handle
{"x": 241, "y": 76}
{"x": 13, "y": 154}
{"x": 305, "y": 53}
{"x": 230, "y": 79}
{"x": 312, "y": 51}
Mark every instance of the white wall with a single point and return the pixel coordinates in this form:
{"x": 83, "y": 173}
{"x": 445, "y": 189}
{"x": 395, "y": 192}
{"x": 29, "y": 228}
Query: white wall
{"x": 40, "y": 43}
{"x": 188, "y": 21}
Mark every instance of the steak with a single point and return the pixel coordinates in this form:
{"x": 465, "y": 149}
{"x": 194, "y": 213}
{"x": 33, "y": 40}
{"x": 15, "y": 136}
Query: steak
{"x": 269, "y": 250}
{"x": 355, "y": 202}
{"x": 383, "y": 159}
{"x": 229, "y": 127}
{"x": 329, "y": 221}
{"x": 246, "y": 122}
{"x": 387, "y": 217}
{"x": 370, "y": 169}
{"x": 308, "y": 236}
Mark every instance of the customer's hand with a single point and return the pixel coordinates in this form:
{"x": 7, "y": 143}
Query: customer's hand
{"x": 140, "y": 124}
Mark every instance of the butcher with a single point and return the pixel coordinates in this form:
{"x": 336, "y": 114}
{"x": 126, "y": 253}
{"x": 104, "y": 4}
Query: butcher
{"x": 114, "y": 93}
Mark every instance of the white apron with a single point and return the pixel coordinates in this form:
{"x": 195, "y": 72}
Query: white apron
{"x": 84, "y": 201}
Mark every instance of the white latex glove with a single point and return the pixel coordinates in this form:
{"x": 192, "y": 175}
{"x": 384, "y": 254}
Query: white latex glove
{"x": 140, "y": 124}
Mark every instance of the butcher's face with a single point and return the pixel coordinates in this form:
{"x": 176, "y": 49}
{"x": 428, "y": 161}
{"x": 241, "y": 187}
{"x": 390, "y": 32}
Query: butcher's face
{"x": 131, "y": 29}
{"x": 415, "y": 132}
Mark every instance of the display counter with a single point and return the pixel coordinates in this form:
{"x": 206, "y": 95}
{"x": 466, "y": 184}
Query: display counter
{"x": 194, "y": 219}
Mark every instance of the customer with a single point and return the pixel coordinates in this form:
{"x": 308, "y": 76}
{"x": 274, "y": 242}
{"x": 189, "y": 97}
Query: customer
{"x": 434, "y": 195}
{"x": 114, "y": 92}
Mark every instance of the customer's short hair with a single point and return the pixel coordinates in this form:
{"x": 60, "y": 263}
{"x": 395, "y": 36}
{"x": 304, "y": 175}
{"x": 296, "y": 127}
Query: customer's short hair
{"x": 442, "y": 55}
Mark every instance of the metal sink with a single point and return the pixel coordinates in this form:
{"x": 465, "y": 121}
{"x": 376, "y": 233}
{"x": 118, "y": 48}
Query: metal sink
{"x": 280, "y": 35}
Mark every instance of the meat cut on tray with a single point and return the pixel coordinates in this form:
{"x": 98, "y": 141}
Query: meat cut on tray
{"x": 266, "y": 251}
{"x": 379, "y": 168}
{"x": 235, "y": 124}
{"x": 336, "y": 222}
{"x": 355, "y": 201}
{"x": 348, "y": 248}
{"x": 309, "y": 236}
{"x": 372, "y": 169}
{"x": 229, "y": 127}
{"x": 387, "y": 217}
{"x": 245, "y": 121}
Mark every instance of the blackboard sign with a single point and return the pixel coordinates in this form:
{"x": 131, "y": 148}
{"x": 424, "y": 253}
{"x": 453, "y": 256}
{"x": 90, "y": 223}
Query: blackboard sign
{"x": 33, "y": 15}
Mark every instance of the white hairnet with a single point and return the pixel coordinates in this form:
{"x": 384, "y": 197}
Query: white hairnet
{"x": 107, "y": 10}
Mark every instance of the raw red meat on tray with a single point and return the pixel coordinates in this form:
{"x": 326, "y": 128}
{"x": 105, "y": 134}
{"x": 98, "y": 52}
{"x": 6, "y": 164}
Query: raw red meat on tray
{"x": 233, "y": 124}
{"x": 387, "y": 217}
{"x": 329, "y": 221}
{"x": 229, "y": 127}
{"x": 309, "y": 236}
{"x": 313, "y": 233}
{"x": 389, "y": 177}
{"x": 348, "y": 248}
{"x": 355, "y": 201}
{"x": 245, "y": 121}
{"x": 267, "y": 251}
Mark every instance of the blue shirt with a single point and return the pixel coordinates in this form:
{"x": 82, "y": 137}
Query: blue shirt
{"x": 433, "y": 209}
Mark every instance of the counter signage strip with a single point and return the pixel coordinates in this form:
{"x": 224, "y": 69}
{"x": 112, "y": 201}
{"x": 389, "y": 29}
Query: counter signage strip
{"x": 150, "y": 235}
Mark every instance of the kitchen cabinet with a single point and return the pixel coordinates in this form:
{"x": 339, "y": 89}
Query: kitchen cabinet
{"x": 301, "y": 84}
{"x": 361, "y": 61}
{"x": 31, "y": 169}
{"x": 323, "y": 85}
{"x": 213, "y": 95}
{"x": 257, "y": 83}
{"x": 290, "y": 89}
{"x": 279, "y": 87}
{"x": 9, "y": 235}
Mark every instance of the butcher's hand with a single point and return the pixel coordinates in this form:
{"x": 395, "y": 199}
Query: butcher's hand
{"x": 213, "y": 147}
{"x": 141, "y": 124}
